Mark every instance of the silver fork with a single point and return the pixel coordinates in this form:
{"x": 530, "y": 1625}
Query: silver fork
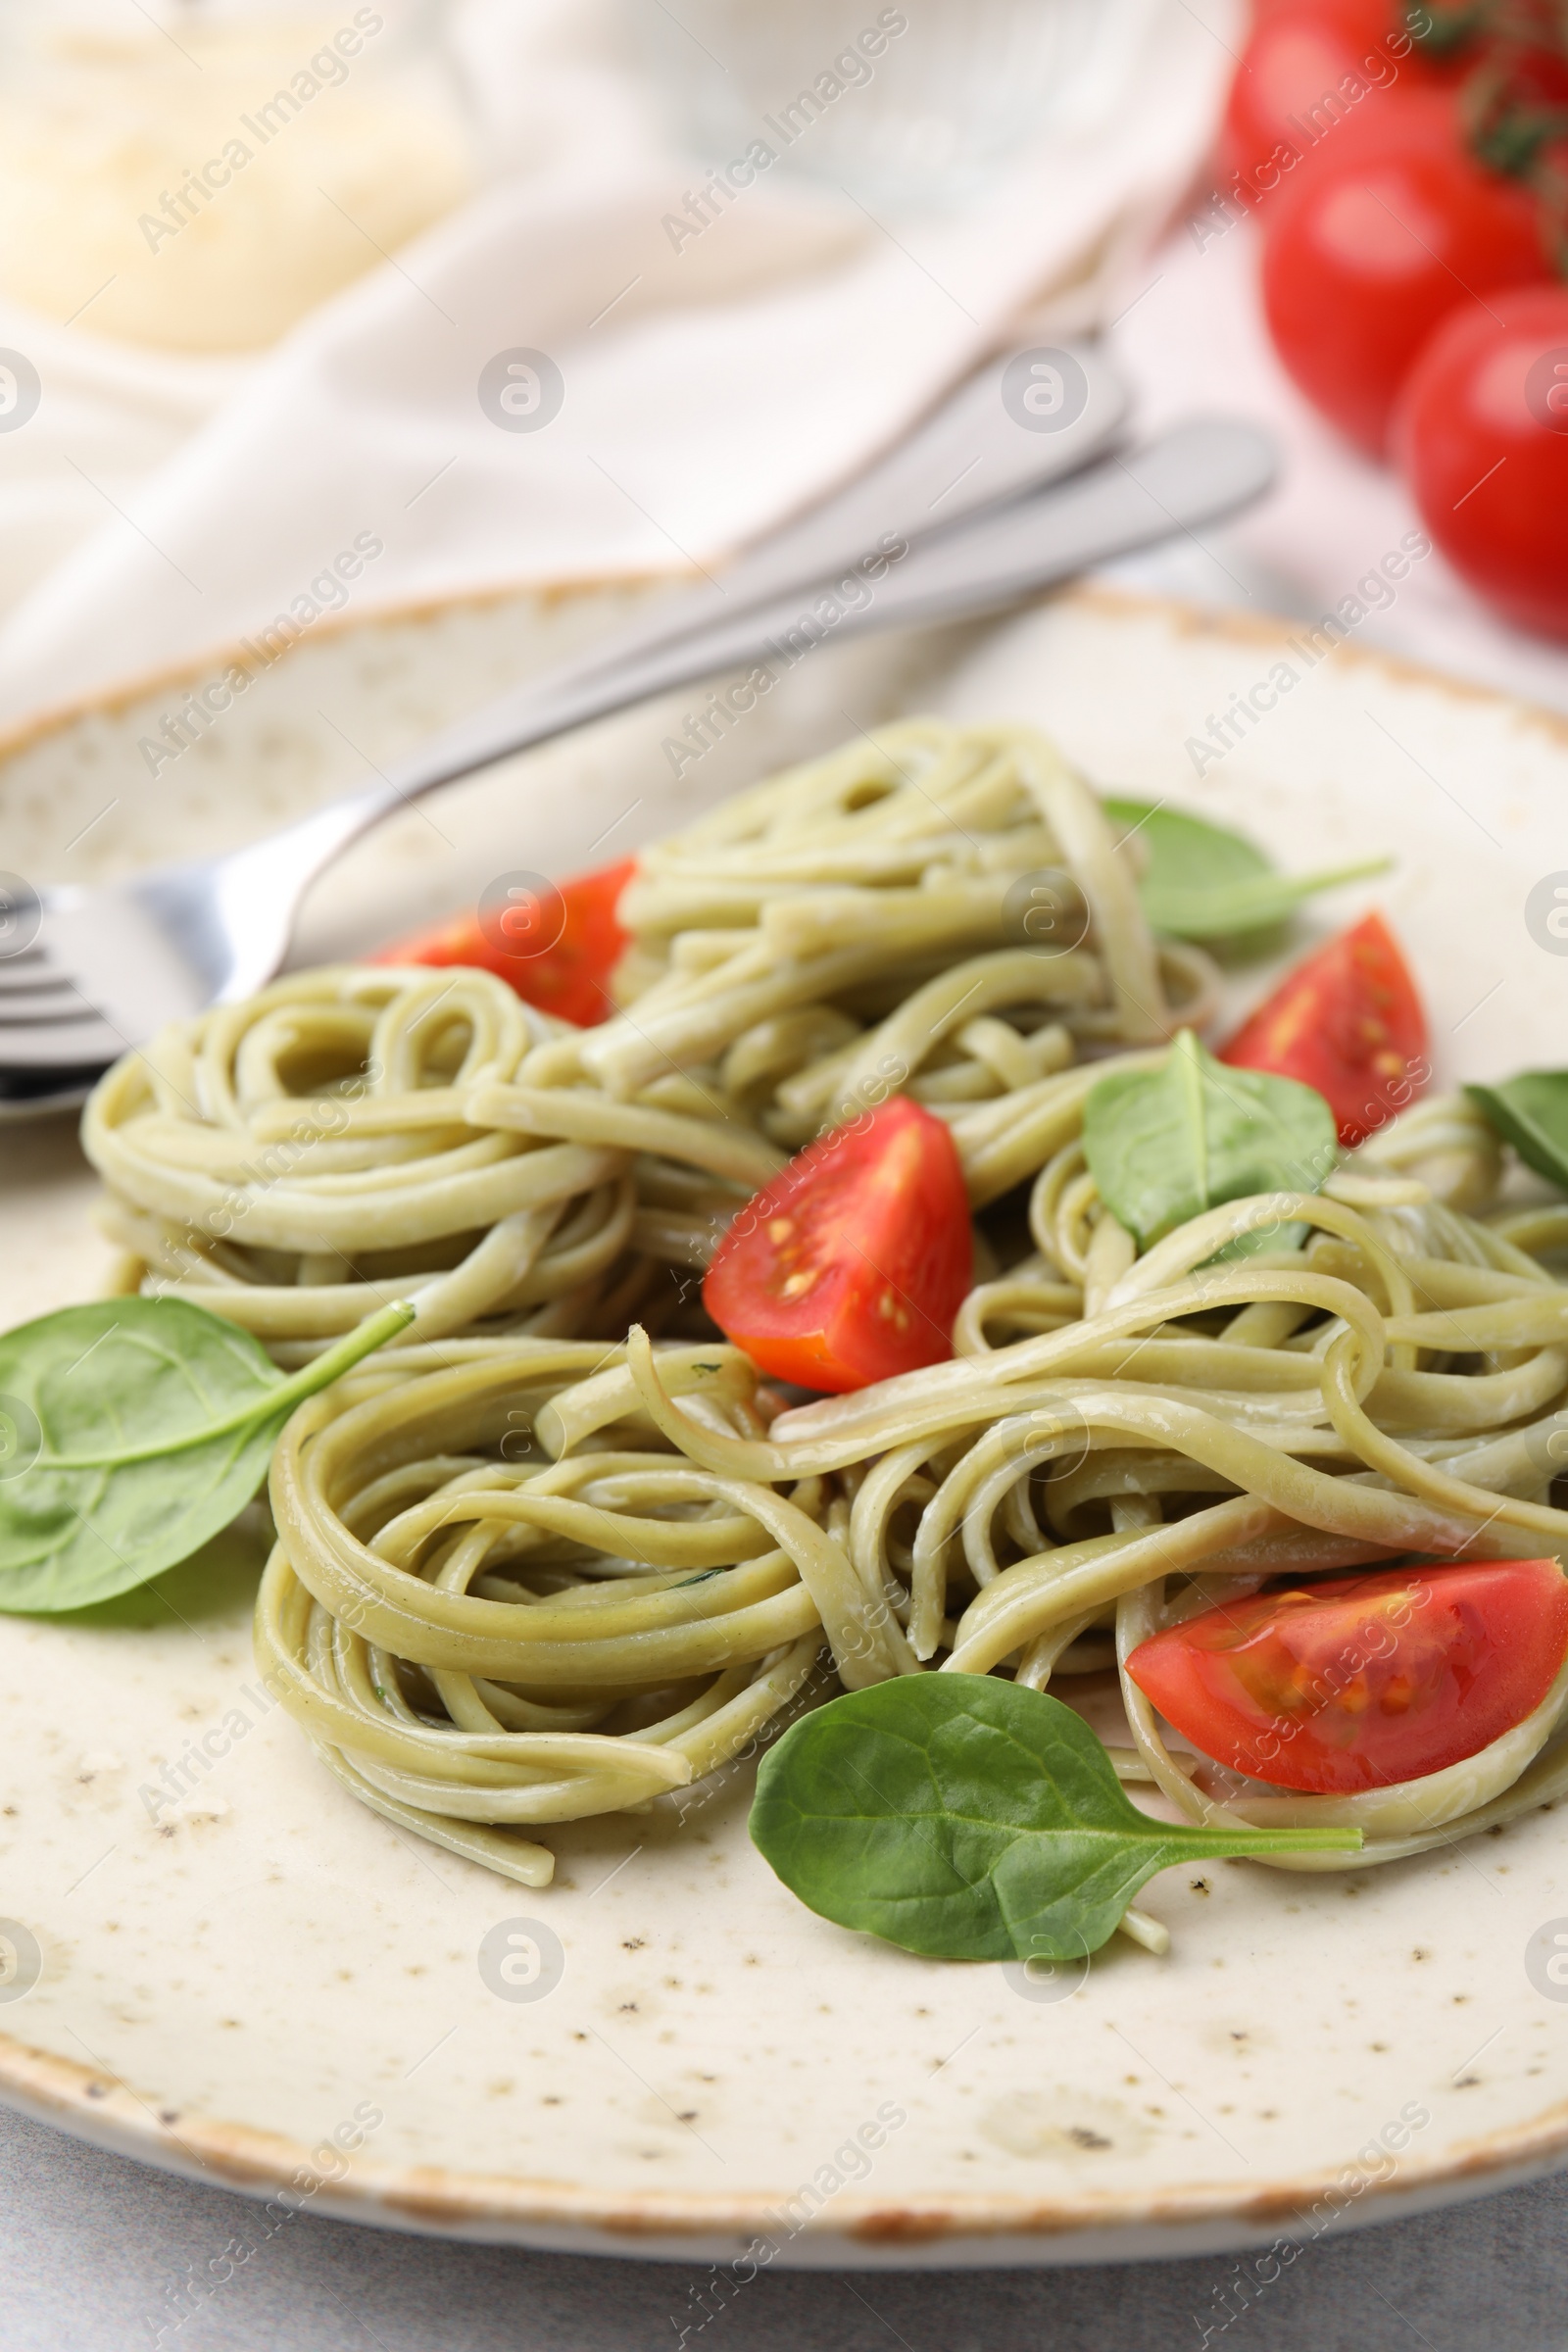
{"x": 87, "y": 974}
{"x": 83, "y": 974}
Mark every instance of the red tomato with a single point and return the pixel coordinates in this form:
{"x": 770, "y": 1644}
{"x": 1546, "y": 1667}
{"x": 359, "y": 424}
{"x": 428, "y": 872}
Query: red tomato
{"x": 1374, "y": 17}
{"x": 1358, "y": 1681}
{"x": 1310, "y": 70}
{"x": 1349, "y": 1022}
{"x": 850, "y": 1265}
{"x": 1482, "y": 438}
{"x": 1367, "y": 254}
{"x": 570, "y": 977}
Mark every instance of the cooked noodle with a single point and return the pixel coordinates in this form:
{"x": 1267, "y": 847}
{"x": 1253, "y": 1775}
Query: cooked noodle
{"x": 349, "y": 1136}
{"x": 531, "y": 1568}
{"x": 296, "y": 1160}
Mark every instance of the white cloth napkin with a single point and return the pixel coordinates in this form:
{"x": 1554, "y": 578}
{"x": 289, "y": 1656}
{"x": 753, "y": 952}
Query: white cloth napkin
{"x": 157, "y": 510}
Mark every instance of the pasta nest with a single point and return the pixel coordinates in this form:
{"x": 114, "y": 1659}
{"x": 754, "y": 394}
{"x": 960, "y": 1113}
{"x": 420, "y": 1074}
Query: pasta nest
{"x": 531, "y": 1567}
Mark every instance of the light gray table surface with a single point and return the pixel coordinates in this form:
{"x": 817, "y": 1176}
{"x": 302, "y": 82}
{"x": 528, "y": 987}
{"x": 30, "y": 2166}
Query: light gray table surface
{"x": 92, "y": 2248}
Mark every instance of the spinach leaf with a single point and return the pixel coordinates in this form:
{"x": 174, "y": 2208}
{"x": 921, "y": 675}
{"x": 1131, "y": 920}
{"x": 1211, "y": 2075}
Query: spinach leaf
{"x": 1202, "y": 881}
{"x": 1531, "y": 1112}
{"x": 1164, "y": 1145}
{"x": 130, "y": 1431}
{"x": 971, "y": 1819}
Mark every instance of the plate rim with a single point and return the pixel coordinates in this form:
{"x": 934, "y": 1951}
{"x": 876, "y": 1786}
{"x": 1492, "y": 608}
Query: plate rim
{"x": 112, "y": 700}
{"x": 1192, "y": 616}
{"x": 93, "y": 2104}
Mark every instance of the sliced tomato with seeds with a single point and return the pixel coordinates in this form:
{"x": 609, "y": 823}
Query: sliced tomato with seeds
{"x": 1349, "y": 1022}
{"x": 1359, "y": 1681}
{"x": 570, "y": 977}
{"x": 850, "y": 1265}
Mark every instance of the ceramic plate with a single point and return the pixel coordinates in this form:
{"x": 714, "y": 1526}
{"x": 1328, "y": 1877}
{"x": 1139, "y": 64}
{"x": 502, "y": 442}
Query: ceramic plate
{"x": 244, "y": 1983}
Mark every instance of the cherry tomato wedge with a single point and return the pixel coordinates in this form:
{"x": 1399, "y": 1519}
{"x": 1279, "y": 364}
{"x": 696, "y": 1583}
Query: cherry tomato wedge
{"x": 850, "y": 1265}
{"x": 1349, "y": 1022}
{"x": 557, "y": 947}
{"x": 1480, "y": 436}
{"x": 1359, "y": 1681}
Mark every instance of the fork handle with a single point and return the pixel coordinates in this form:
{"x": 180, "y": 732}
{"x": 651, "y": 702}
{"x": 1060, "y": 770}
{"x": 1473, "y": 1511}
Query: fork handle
{"x": 1194, "y": 475}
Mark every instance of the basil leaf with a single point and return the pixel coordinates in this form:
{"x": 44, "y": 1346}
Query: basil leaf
{"x": 1202, "y": 881}
{"x": 1531, "y": 1112}
{"x": 971, "y": 1819}
{"x": 1164, "y": 1145}
{"x": 130, "y": 1431}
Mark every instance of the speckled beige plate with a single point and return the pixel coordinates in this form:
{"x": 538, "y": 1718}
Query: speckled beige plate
{"x": 225, "y": 1983}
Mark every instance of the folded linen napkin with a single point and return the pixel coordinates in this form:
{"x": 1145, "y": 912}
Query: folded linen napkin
{"x": 564, "y": 381}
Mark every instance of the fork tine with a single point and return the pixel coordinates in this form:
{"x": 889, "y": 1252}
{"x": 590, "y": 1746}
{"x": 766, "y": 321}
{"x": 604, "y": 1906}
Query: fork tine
{"x": 37, "y": 983}
{"x": 47, "y": 1022}
{"x": 86, "y": 1045}
{"x": 33, "y": 973}
{"x": 65, "y": 1012}
{"x": 59, "y": 1015}
{"x": 44, "y": 1016}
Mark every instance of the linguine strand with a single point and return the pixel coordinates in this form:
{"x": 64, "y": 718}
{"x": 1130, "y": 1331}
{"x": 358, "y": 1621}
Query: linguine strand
{"x": 557, "y": 1553}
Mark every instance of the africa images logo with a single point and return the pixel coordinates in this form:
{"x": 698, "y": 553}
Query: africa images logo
{"x": 1547, "y": 913}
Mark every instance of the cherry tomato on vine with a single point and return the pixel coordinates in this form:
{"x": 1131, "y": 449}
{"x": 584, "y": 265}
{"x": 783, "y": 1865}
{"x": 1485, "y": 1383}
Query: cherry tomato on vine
{"x": 850, "y": 1265}
{"x": 1310, "y": 71}
{"x": 1481, "y": 437}
{"x": 1349, "y": 1022}
{"x": 1524, "y": 81}
{"x": 1359, "y": 1681}
{"x": 581, "y": 940}
{"x": 1369, "y": 252}
{"x": 1373, "y": 18}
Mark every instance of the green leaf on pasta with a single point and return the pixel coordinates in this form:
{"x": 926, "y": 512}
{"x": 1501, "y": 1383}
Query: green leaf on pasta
{"x": 1531, "y": 1112}
{"x": 1164, "y": 1145}
{"x": 968, "y": 1818}
{"x": 1202, "y": 881}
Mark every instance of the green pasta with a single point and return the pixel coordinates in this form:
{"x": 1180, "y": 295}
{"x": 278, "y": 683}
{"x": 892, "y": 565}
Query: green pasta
{"x": 557, "y": 1551}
